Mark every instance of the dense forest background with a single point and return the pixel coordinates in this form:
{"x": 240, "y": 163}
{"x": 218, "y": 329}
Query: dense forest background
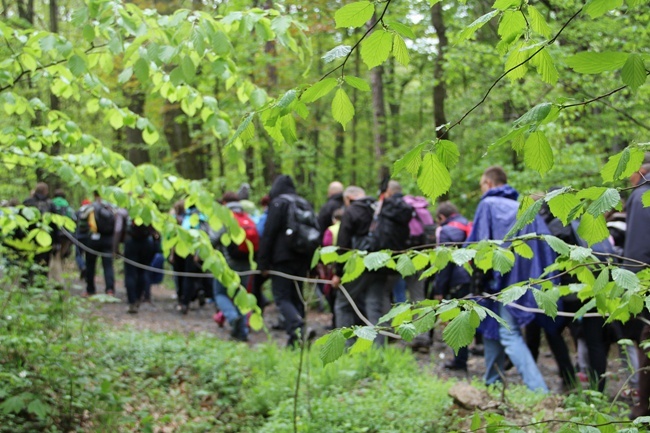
{"x": 406, "y": 102}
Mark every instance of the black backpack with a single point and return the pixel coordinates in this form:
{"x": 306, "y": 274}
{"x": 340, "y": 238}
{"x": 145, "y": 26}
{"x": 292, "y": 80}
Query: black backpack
{"x": 302, "y": 226}
{"x": 138, "y": 232}
{"x": 389, "y": 229}
{"x": 104, "y": 218}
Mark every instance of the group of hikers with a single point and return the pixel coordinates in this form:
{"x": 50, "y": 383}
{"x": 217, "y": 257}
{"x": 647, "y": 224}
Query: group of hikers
{"x": 284, "y": 234}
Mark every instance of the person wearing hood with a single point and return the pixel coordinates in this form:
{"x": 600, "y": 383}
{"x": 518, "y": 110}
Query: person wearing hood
{"x": 276, "y": 253}
{"x": 495, "y": 215}
{"x": 334, "y": 202}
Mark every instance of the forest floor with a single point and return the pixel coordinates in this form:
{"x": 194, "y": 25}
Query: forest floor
{"x": 161, "y": 315}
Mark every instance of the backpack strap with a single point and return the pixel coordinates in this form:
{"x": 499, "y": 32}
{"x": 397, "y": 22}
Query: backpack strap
{"x": 467, "y": 228}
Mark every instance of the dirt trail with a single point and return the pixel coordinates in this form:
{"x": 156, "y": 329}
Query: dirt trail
{"x": 161, "y": 316}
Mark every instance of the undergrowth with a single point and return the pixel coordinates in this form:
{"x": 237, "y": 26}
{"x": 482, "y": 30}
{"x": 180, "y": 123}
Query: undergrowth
{"x": 61, "y": 370}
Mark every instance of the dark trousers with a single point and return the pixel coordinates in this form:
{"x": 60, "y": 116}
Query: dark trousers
{"x": 190, "y": 285}
{"x": 103, "y": 245}
{"x": 288, "y": 297}
{"x": 136, "y": 279}
{"x": 178, "y": 265}
{"x": 557, "y": 345}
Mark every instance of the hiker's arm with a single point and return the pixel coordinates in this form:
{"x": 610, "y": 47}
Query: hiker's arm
{"x": 274, "y": 224}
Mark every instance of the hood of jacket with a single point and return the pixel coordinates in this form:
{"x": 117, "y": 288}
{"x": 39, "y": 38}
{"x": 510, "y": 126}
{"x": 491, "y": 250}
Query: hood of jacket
{"x": 505, "y": 191}
{"x": 282, "y": 184}
{"x": 416, "y": 202}
{"x": 235, "y": 206}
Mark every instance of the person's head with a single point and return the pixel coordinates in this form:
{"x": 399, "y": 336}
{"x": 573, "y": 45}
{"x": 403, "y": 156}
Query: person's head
{"x": 229, "y": 197}
{"x": 334, "y": 188}
{"x": 59, "y": 193}
{"x": 337, "y": 215}
{"x": 179, "y": 207}
{"x": 353, "y": 193}
{"x": 393, "y": 188}
{"x": 42, "y": 189}
{"x": 493, "y": 177}
{"x": 445, "y": 210}
{"x": 642, "y": 173}
{"x": 96, "y": 195}
{"x": 244, "y": 191}
{"x": 264, "y": 201}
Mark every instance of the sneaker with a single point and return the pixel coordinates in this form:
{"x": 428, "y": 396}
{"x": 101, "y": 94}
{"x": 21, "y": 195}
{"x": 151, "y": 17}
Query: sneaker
{"x": 110, "y": 293}
{"x": 451, "y": 365}
{"x": 219, "y": 318}
{"x": 184, "y": 309}
{"x": 133, "y": 309}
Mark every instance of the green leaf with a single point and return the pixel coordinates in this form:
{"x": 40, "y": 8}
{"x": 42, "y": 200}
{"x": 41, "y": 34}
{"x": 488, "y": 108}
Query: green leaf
{"x": 354, "y": 267}
{"x": 557, "y": 244}
{"x": 534, "y": 116}
{"x": 365, "y": 332}
{"x": 476, "y": 422}
{"x": 77, "y": 65}
{"x": 357, "y": 83}
{"x": 411, "y": 161}
{"x": 336, "y": 53}
{"x": 512, "y": 22}
{"x": 13, "y": 404}
{"x": 477, "y": 24}
{"x": 502, "y": 5}
{"x": 459, "y": 332}
{"x": 623, "y": 164}
{"x": 354, "y": 14}
{"x": 360, "y": 346}
{"x": 141, "y": 70}
{"x": 462, "y": 255}
{"x": 545, "y": 66}
{"x": 633, "y": 72}
{"x": 538, "y": 22}
{"x": 402, "y": 29}
{"x": 333, "y": 346}
{"x": 286, "y": 99}
{"x": 400, "y": 51}
{"x": 447, "y": 152}
{"x": 376, "y": 260}
{"x": 503, "y": 260}
{"x": 394, "y": 312}
{"x": 528, "y": 210}
{"x": 256, "y": 321}
{"x": 538, "y": 154}
{"x": 645, "y": 199}
{"x": 376, "y": 48}
{"x": 434, "y": 178}
{"x": 547, "y": 301}
{"x": 405, "y": 266}
{"x": 318, "y": 90}
{"x": 625, "y": 279}
{"x": 524, "y": 250}
{"x": 43, "y": 238}
{"x": 593, "y": 230}
{"x": 407, "y": 331}
{"x": 588, "y": 62}
{"x": 342, "y": 108}
{"x": 596, "y": 8}
{"x": 562, "y": 205}
{"x": 636, "y": 304}
{"x": 605, "y": 202}
{"x": 512, "y": 293}
{"x": 150, "y": 135}
{"x": 124, "y": 76}
{"x": 241, "y": 128}
{"x": 38, "y": 408}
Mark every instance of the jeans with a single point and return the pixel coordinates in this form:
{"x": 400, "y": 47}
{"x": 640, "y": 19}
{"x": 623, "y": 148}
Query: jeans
{"x": 399, "y": 291}
{"x": 103, "y": 245}
{"x": 136, "y": 279}
{"x": 235, "y": 318}
{"x": 511, "y": 343}
{"x": 371, "y": 293}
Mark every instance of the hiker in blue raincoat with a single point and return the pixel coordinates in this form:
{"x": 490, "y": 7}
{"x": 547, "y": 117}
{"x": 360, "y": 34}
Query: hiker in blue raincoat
{"x": 495, "y": 216}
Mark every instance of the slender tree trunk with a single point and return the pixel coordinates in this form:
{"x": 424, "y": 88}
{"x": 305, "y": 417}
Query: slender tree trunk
{"x": 137, "y": 149}
{"x": 355, "y": 123}
{"x": 26, "y": 10}
{"x": 379, "y": 116}
{"x": 268, "y": 154}
{"x": 188, "y": 160}
{"x": 439, "y": 87}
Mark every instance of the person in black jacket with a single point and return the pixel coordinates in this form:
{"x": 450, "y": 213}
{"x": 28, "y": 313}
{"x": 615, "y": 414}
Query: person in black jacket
{"x": 40, "y": 200}
{"x": 452, "y": 282}
{"x": 334, "y": 202}
{"x": 276, "y": 254}
{"x": 371, "y": 291}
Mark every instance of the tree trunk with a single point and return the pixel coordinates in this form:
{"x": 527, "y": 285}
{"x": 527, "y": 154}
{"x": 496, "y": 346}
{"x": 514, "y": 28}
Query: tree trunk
{"x": 439, "y": 87}
{"x": 268, "y": 154}
{"x": 26, "y": 10}
{"x": 137, "y": 149}
{"x": 379, "y": 116}
{"x": 188, "y": 160}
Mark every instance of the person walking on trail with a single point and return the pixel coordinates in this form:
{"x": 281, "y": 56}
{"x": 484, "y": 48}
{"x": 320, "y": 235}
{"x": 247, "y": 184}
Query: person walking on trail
{"x": 280, "y": 251}
{"x": 237, "y": 257}
{"x": 495, "y": 215}
{"x": 637, "y": 248}
{"x": 194, "y": 287}
{"x": 100, "y": 218}
{"x": 370, "y": 226}
{"x": 453, "y": 281}
{"x": 41, "y": 201}
{"x": 334, "y": 201}
{"x": 82, "y": 234}
{"x": 139, "y": 247}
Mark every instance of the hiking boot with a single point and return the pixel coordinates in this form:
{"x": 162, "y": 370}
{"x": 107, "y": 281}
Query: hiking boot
{"x": 454, "y": 366}
{"x": 201, "y": 297}
{"x": 184, "y": 309}
{"x": 110, "y": 292}
{"x": 133, "y": 309}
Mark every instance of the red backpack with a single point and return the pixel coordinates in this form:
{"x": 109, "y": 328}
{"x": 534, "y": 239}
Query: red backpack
{"x": 241, "y": 251}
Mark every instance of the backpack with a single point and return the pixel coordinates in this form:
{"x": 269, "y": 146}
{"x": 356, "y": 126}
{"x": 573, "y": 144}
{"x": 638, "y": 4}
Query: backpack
{"x": 137, "y": 232}
{"x": 104, "y": 218}
{"x": 389, "y": 229}
{"x": 302, "y": 226}
{"x": 467, "y": 228}
{"x": 241, "y": 251}
{"x": 421, "y": 227}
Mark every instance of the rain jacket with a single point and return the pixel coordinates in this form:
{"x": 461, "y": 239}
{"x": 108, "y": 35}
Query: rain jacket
{"x": 495, "y": 216}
